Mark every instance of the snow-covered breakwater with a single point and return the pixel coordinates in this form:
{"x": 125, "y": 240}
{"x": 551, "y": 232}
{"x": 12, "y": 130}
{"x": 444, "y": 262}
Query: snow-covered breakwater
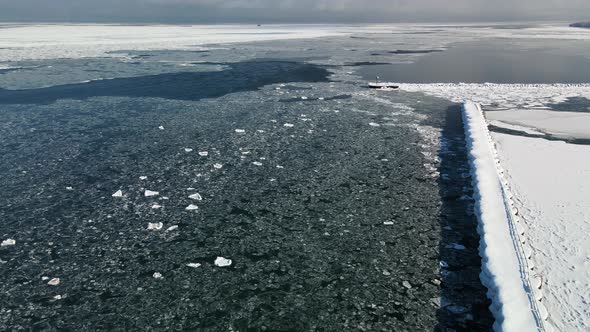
{"x": 503, "y": 268}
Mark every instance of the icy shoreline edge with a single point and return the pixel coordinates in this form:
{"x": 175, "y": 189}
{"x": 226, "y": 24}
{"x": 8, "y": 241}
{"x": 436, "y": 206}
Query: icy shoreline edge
{"x": 504, "y": 270}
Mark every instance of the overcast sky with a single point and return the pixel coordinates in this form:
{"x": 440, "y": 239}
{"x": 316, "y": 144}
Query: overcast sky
{"x": 329, "y": 11}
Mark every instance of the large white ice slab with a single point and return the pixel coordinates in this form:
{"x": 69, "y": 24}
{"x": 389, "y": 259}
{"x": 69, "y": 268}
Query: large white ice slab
{"x": 563, "y": 124}
{"x": 551, "y": 185}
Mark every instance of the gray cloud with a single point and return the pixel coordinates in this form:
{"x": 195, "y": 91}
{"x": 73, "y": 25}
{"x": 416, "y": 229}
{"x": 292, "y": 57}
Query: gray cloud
{"x": 208, "y": 11}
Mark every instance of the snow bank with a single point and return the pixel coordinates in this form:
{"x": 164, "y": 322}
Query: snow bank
{"x": 503, "y": 265}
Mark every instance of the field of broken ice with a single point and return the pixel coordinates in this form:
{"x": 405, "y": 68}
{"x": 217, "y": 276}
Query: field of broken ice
{"x": 173, "y": 177}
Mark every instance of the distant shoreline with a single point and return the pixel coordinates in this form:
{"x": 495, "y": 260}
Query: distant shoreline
{"x": 581, "y": 25}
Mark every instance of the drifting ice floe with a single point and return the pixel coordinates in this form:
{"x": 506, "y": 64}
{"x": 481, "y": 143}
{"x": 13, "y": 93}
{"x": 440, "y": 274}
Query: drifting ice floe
{"x": 155, "y": 226}
{"x": 54, "y": 282}
{"x": 161, "y": 127}
{"x": 196, "y": 196}
{"x": 203, "y": 153}
{"x": 119, "y": 193}
{"x": 288, "y": 125}
{"x": 222, "y": 262}
{"x": 193, "y": 265}
{"x": 158, "y": 275}
{"x": 192, "y": 207}
{"x": 8, "y": 242}
{"x": 257, "y": 163}
{"x": 373, "y": 124}
{"x": 240, "y": 131}
{"x": 143, "y": 178}
{"x": 149, "y": 193}
{"x": 172, "y": 228}
{"x": 218, "y": 166}
{"x": 187, "y": 150}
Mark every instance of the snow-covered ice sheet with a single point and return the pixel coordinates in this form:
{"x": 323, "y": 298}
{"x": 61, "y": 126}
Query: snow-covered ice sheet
{"x": 566, "y": 124}
{"x": 551, "y": 185}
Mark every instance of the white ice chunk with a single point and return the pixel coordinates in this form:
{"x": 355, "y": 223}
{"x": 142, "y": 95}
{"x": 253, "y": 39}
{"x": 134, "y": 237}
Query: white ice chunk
{"x": 54, "y": 282}
{"x": 203, "y": 153}
{"x": 69, "y": 188}
{"x": 257, "y": 163}
{"x": 187, "y": 150}
{"x": 222, "y": 262}
{"x": 156, "y": 206}
{"x": 119, "y": 193}
{"x": 218, "y": 166}
{"x": 240, "y": 131}
{"x": 289, "y": 125}
{"x": 373, "y": 124}
{"x": 161, "y": 127}
{"x": 143, "y": 178}
{"x": 196, "y": 196}
{"x": 158, "y": 275}
{"x": 149, "y": 193}
{"x": 172, "y": 228}
{"x": 8, "y": 242}
{"x": 155, "y": 226}
{"x": 192, "y": 207}
{"x": 194, "y": 265}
